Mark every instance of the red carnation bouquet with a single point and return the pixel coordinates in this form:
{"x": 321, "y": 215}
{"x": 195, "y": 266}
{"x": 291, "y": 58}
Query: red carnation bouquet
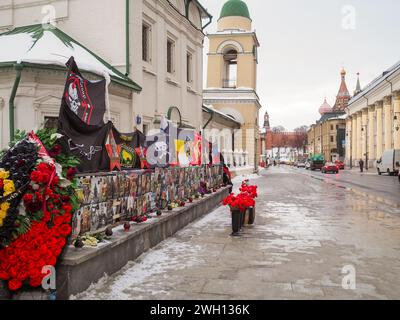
{"x": 240, "y": 202}
{"x": 250, "y": 190}
{"x": 43, "y": 225}
{"x": 244, "y": 200}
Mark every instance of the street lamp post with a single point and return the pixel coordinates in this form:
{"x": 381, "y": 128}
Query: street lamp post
{"x": 396, "y": 119}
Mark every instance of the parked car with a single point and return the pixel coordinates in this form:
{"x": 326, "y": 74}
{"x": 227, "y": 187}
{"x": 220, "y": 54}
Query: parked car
{"x": 330, "y": 167}
{"x": 301, "y": 164}
{"x": 389, "y": 162}
{"x": 340, "y": 164}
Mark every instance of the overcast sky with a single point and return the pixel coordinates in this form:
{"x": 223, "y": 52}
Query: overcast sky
{"x": 304, "y": 44}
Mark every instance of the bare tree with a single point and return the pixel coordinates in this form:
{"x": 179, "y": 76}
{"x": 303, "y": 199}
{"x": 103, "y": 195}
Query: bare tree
{"x": 278, "y": 129}
{"x": 301, "y": 137}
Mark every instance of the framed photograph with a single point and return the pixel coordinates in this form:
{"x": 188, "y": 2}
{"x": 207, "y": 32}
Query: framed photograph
{"x": 94, "y": 217}
{"x": 115, "y": 184}
{"x": 109, "y": 212}
{"x": 133, "y": 184}
{"x": 116, "y": 210}
{"x": 102, "y": 215}
{"x": 76, "y": 224}
{"x": 86, "y": 185}
{"x": 95, "y": 190}
{"x": 130, "y": 207}
{"x": 121, "y": 183}
{"x": 139, "y": 186}
{"x": 85, "y": 220}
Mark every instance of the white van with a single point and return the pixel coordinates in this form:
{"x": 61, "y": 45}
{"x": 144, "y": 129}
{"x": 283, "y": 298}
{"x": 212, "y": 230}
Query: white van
{"x": 389, "y": 163}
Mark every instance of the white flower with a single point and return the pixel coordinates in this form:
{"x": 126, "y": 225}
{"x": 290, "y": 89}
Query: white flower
{"x": 56, "y": 136}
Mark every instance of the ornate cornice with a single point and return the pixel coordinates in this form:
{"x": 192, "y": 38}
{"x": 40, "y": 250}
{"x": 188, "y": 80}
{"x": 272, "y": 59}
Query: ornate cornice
{"x": 387, "y": 100}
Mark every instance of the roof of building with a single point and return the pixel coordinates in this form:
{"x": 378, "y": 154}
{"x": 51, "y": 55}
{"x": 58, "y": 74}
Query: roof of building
{"x": 325, "y": 108}
{"x": 334, "y": 115}
{"x": 376, "y": 82}
{"x": 343, "y": 91}
{"x": 41, "y": 47}
{"x": 210, "y": 109}
{"x": 235, "y": 8}
{"x": 358, "y": 86}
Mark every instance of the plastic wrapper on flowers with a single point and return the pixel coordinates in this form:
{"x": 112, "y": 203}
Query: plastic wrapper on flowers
{"x": 37, "y": 198}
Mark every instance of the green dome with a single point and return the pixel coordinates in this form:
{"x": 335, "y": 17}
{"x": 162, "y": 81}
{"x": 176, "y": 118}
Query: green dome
{"x": 235, "y": 8}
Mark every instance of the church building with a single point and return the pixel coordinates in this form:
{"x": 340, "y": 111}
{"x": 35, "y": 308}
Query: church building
{"x": 232, "y": 82}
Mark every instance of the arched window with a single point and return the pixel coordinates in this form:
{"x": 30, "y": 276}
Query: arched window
{"x": 230, "y": 69}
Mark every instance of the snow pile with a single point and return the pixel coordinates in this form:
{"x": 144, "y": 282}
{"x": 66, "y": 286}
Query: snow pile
{"x": 49, "y": 49}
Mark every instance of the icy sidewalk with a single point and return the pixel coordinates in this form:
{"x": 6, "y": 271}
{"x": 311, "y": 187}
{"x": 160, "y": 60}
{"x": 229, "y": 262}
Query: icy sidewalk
{"x": 156, "y": 273}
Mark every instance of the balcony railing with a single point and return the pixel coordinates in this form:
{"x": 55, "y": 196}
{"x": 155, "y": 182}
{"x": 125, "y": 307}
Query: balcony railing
{"x": 227, "y": 83}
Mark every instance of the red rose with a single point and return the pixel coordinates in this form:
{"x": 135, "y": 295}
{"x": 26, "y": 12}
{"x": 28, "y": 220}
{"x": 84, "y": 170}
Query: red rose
{"x": 4, "y": 275}
{"x": 71, "y": 172}
{"x": 36, "y": 282}
{"x": 66, "y": 198}
{"x": 64, "y": 230}
{"x": 67, "y": 208}
{"x": 55, "y": 151}
{"x": 46, "y": 216}
{"x": 28, "y": 197}
{"x": 14, "y": 284}
{"x": 59, "y": 220}
{"x": 67, "y": 217}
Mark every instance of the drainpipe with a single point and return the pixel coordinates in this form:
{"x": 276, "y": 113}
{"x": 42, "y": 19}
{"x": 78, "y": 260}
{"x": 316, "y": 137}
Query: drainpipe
{"x": 127, "y": 42}
{"x": 207, "y": 24}
{"x": 18, "y": 68}
{"x": 209, "y": 120}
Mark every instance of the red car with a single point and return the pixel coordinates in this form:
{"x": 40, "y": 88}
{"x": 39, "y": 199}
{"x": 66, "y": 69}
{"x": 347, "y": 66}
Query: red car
{"x": 339, "y": 164}
{"x": 330, "y": 167}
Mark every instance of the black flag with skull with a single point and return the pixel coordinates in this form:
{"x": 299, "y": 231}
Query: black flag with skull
{"x": 87, "y": 99}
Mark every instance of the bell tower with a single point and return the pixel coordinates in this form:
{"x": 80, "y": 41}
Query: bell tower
{"x": 232, "y": 74}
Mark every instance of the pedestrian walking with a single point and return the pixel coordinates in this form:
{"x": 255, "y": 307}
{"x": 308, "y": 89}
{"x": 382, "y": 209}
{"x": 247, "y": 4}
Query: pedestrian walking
{"x": 361, "y": 163}
{"x": 227, "y": 177}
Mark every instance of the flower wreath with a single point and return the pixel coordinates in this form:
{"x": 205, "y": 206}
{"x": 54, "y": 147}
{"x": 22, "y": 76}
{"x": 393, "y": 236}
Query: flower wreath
{"x": 37, "y": 220}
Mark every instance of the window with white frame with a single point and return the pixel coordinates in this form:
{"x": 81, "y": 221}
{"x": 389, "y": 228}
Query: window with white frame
{"x": 189, "y": 67}
{"x": 146, "y": 42}
{"x": 170, "y": 56}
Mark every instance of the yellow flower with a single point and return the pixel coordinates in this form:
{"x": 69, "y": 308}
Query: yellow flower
{"x": 5, "y": 206}
{"x": 4, "y": 174}
{"x": 2, "y": 214}
{"x": 9, "y": 187}
{"x": 1, "y": 223}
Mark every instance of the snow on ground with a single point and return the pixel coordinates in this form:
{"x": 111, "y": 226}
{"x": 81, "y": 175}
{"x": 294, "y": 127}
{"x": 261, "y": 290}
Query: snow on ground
{"x": 173, "y": 254}
{"x": 240, "y": 178}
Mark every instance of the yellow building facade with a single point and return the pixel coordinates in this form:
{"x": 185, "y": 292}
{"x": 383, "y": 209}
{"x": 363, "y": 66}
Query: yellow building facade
{"x": 373, "y": 122}
{"x": 325, "y": 138}
{"x": 232, "y": 75}
{"x": 328, "y": 135}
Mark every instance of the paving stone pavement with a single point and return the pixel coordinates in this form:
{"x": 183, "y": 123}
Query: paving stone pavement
{"x": 306, "y": 232}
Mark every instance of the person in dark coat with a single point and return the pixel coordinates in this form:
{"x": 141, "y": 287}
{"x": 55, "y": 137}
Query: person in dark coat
{"x": 361, "y": 163}
{"x": 228, "y": 178}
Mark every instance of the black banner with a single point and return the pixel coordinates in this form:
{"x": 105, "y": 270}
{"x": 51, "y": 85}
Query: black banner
{"x": 87, "y": 99}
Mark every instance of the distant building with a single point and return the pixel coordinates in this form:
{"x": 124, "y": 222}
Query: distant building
{"x": 232, "y": 81}
{"x": 328, "y": 135}
{"x": 373, "y": 123}
{"x": 153, "y": 50}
